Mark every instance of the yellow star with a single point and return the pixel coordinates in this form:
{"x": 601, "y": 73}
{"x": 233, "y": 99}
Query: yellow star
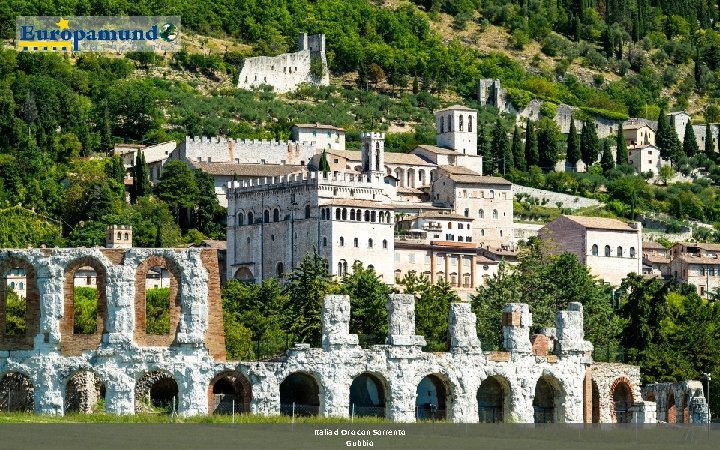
{"x": 63, "y": 23}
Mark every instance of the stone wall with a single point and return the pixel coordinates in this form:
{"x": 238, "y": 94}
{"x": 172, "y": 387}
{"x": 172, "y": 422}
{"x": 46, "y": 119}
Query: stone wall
{"x": 192, "y": 374}
{"x": 682, "y": 402}
{"x": 244, "y": 151}
{"x": 287, "y": 71}
{"x": 568, "y": 201}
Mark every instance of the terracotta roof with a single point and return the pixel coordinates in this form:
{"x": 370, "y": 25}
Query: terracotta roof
{"x": 247, "y": 170}
{"x": 651, "y": 245}
{"x": 635, "y": 126}
{"x": 352, "y": 155}
{"x": 698, "y": 259}
{"x": 467, "y": 245}
{"x": 456, "y": 107}
{"x": 464, "y": 175}
{"x": 600, "y": 223}
{"x": 318, "y": 126}
{"x": 408, "y": 190}
{"x": 702, "y": 245}
{"x": 354, "y": 202}
{"x": 211, "y": 243}
{"x": 438, "y": 150}
{"x": 441, "y": 215}
{"x": 405, "y": 158}
{"x": 658, "y": 259}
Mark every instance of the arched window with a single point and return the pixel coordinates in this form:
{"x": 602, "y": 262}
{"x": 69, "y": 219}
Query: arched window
{"x": 126, "y": 236}
{"x": 449, "y": 225}
{"x": 307, "y": 211}
{"x": 442, "y": 124}
{"x": 119, "y": 235}
{"x": 495, "y": 214}
{"x": 251, "y": 218}
{"x": 276, "y": 215}
{"x": 619, "y": 251}
{"x": 460, "y": 226}
{"x": 344, "y": 214}
{"x": 352, "y": 214}
{"x": 324, "y": 242}
{"x": 337, "y": 213}
{"x": 280, "y": 270}
{"x": 367, "y": 216}
{"x": 385, "y": 243}
{"x": 460, "y": 123}
{"x": 241, "y": 219}
{"x": 450, "y": 124}
{"x": 594, "y": 250}
{"x": 481, "y": 214}
{"x": 342, "y": 241}
{"x": 356, "y": 242}
{"x": 370, "y": 243}
{"x": 266, "y": 215}
{"x": 21, "y": 286}
{"x": 632, "y": 252}
{"x": 482, "y": 232}
{"x": 373, "y": 216}
{"x": 469, "y": 123}
{"x": 607, "y": 250}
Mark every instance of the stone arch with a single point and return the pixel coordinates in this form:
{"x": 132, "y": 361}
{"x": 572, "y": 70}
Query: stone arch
{"x": 410, "y": 177}
{"x": 84, "y": 392}
{"x": 227, "y": 389}
{"x": 621, "y": 400}
{"x": 73, "y": 343}
{"x": 300, "y": 391}
{"x": 432, "y": 400}
{"x": 548, "y": 400}
{"x": 493, "y": 397}
{"x": 16, "y": 392}
{"x": 368, "y": 394}
{"x": 671, "y": 409}
{"x": 245, "y": 275}
{"x": 141, "y": 337}
{"x": 156, "y": 389}
{"x": 24, "y": 340}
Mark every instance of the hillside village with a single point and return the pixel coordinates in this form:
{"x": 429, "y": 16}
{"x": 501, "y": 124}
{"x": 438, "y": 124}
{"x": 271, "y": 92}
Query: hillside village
{"x": 464, "y": 206}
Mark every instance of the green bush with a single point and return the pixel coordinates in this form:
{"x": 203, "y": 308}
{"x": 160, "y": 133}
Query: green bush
{"x": 157, "y": 311}
{"x": 518, "y": 97}
{"x": 612, "y": 115}
{"x": 85, "y": 319}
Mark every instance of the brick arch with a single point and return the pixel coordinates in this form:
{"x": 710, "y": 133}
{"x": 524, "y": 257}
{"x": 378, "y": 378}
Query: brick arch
{"x": 140, "y": 336}
{"x": 72, "y": 344}
{"x": 238, "y": 380}
{"x": 671, "y": 408}
{"x": 144, "y": 387}
{"x": 83, "y": 390}
{"x": 615, "y": 384}
{"x": 32, "y": 308}
{"x": 17, "y": 392}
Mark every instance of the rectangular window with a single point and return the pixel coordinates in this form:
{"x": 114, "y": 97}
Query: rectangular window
{"x": 711, "y": 271}
{"x": 453, "y": 261}
{"x": 427, "y": 259}
{"x": 411, "y": 258}
{"x": 466, "y": 262}
{"x": 397, "y": 257}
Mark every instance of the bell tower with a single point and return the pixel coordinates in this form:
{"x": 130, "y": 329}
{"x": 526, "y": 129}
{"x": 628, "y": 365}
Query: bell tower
{"x": 373, "y": 153}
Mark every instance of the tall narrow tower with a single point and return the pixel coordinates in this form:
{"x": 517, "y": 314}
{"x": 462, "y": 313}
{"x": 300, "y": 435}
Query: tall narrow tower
{"x": 373, "y": 153}
{"x": 457, "y": 129}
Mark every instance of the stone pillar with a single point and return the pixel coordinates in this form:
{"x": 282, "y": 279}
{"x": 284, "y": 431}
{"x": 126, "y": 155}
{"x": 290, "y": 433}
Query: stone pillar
{"x": 570, "y": 334}
{"x": 192, "y": 392}
{"x": 48, "y": 392}
{"x": 336, "y": 323}
{"x": 120, "y": 398}
{"x": 447, "y": 268}
{"x": 516, "y": 328}
{"x": 462, "y": 328}
{"x": 473, "y": 269}
{"x": 698, "y": 409}
{"x": 194, "y": 301}
{"x": 50, "y": 282}
{"x": 120, "y": 321}
{"x": 401, "y": 321}
{"x": 643, "y": 412}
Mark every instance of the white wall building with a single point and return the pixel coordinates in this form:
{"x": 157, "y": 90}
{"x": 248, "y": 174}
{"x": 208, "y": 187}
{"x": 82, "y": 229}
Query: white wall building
{"x": 326, "y": 137}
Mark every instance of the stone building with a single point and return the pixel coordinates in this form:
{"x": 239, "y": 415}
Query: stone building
{"x": 646, "y": 159}
{"x": 244, "y": 151}
{"x": 697, "y": 264}
{"x": 682, "y": 402}
{"x": 457, "y": 129}
{"x": 273, "y": 225}
{"x": 608, "y": 247}
{"x": 486, "y": 199}
{"x": 287, "y": 71}
{"x": 638, "y": 135}
{"x": 656, "y": 258}
{"x": 51, "y": 370}
{"x": 326, "y": 137}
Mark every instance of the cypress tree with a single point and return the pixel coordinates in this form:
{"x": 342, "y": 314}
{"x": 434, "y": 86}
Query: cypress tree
{"x": 589, "y": 143}
{"x": 141, "y": 181}
{"x": 661, "y": 135}
{"x": 709, "y": 146}
{"x": 573, "y": 146}
{"x": 548, "y": 143}
{"x": 518, "y": 151}
{"x": 501, "y": 146}
{"x": 621, "y": 150}
{"x": 532, "y": 156}
{"x": 607, "y": 161}
{"x": 690, "y": 147}
{"x": 484, "y": 150}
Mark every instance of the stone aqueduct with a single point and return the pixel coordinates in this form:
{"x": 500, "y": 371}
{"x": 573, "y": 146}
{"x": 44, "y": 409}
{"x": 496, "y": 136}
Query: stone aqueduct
{"x": 51, "y": 370}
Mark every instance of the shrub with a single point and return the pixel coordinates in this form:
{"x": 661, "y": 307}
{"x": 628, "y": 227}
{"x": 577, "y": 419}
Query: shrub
{"x": 518, "y": 97}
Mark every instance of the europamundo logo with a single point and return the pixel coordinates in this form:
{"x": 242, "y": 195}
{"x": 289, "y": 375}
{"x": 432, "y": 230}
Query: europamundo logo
{"x": 98, "y": 34}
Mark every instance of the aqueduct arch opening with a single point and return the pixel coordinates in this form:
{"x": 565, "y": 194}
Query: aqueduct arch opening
{"x": 548, "y": 400}
{"x": 493, "y": 399}
{"x": 156, "y": 390}
{"x": 431, "y": 402}
{"x": 367, "y": 396}
{"x": 229, "y": 392}
{"x": 16, "y": 392}
{"x": 300, "y": 394}
{"x": 84, "y": 393}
